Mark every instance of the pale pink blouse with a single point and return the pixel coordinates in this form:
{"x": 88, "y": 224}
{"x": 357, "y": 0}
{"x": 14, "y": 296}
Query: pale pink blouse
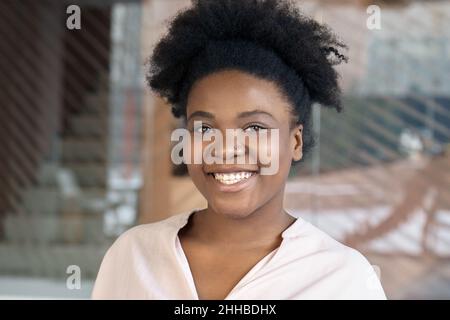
{"x": 148, "y": 262}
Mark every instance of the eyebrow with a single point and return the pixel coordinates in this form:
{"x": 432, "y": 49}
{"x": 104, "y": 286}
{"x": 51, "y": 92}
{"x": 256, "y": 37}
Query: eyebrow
{"x": 244, "y": 114}
{"x": 254, "y": 112}
{"x": 203, "y": 114}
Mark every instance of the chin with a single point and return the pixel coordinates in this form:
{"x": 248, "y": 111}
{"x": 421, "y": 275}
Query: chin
{"x": 232, "y": 211}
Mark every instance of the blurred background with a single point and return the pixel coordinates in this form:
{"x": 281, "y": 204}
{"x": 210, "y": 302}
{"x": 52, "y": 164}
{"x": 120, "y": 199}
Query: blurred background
{"x": 85, "y": 146}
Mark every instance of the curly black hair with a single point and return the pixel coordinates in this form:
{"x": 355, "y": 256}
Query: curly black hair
{"x": 271, "y": 39}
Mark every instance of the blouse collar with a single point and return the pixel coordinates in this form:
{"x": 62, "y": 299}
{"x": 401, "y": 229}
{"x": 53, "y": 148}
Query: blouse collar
{"x": 294, "y": 230}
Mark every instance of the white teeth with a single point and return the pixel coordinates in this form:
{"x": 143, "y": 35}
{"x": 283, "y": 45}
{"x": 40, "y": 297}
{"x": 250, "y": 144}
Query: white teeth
{"x": 232, "y": 178}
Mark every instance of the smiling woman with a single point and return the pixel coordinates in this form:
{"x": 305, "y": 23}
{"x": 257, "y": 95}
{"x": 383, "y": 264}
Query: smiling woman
{"x": 249, "y": 65}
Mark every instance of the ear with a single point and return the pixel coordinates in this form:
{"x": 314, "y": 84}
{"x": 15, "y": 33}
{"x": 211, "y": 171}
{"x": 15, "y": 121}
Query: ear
{"x": 297, "y": 142}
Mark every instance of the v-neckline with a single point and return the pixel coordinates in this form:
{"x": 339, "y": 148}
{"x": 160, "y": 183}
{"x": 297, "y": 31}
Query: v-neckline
{"x": 190, "y": 277}
{"x": 187, "y": 271}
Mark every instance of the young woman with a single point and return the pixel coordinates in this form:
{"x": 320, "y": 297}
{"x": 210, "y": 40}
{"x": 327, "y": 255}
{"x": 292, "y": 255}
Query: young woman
{"x": 257, "y": 66}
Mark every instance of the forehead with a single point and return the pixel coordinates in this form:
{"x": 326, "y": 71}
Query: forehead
{"x": 231, "y": 91}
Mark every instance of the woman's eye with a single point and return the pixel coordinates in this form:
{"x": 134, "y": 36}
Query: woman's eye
{"x": 254, "y": 127}
{"x": 202, "y": 129}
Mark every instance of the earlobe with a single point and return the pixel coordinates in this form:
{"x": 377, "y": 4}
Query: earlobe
{"x": 298, "y": 143}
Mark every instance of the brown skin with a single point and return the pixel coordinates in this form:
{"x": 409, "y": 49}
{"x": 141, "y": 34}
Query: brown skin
{"x": 237, "y": 229}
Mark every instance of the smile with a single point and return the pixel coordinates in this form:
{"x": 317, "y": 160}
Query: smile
{"x": 232, "y": 177}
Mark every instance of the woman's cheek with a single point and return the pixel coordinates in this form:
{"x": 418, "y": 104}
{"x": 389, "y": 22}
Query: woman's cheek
{"x": 269, "y": 152}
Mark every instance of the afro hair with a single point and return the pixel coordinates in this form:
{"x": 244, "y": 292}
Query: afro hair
{"x": 271, "y": 39}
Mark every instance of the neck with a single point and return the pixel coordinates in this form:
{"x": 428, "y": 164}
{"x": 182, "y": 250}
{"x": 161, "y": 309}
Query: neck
{"x": 262, "y": 227}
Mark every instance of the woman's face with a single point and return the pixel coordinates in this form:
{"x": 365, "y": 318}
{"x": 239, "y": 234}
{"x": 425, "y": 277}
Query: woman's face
{"x": 233, "y": 99}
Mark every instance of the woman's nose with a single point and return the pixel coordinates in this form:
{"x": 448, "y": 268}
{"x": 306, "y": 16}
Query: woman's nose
{"x": 232, "y": 147}
{"x": 233, "y": 150}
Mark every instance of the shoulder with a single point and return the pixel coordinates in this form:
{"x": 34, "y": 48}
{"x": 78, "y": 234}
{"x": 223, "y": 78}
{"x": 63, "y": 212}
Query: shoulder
{"x": 321, "y": 242}
{"x": 344, "y": 267}
{"x": 362, "y": 279}
{"x": 141, "y": 247}
{"x": 139, "y": 239}
{"x": 150, "y": 233}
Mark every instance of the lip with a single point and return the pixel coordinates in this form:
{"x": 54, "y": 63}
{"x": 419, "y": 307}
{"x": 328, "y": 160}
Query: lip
{"x": 236, "y": 187}
{"x": 223, "y": 169}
